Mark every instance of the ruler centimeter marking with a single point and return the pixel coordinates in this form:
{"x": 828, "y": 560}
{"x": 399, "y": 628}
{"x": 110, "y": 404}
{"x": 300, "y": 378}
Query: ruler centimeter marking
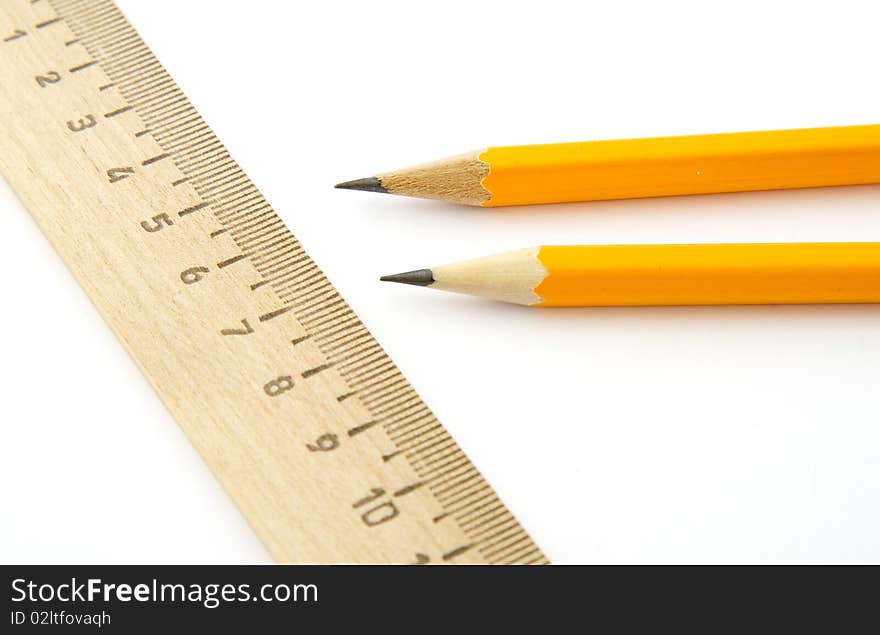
{"x": 323, "y": 444}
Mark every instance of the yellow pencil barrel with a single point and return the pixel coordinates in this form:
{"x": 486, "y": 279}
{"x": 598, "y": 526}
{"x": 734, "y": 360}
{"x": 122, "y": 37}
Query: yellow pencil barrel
{"x": 668, "y": 166}
{"x": 640, "y": 275}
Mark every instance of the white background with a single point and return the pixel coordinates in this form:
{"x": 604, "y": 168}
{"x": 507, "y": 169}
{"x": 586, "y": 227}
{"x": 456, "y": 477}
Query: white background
{"x": 616, "y": 435}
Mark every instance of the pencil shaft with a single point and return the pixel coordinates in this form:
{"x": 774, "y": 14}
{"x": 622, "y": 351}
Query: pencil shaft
{"x": 639, "y": 275}
{"x": 668, "y": 166}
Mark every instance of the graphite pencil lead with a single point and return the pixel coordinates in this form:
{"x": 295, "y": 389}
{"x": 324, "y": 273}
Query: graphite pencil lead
{"x": 419, "y": 278}
{"x": 369, "y": 184}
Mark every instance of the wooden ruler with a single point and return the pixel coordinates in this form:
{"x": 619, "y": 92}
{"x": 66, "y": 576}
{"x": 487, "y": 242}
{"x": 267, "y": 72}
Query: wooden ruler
{"x": 323, "y": 444}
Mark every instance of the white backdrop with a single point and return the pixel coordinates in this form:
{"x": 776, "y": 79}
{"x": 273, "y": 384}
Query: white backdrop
{"x": 649, "y": 435}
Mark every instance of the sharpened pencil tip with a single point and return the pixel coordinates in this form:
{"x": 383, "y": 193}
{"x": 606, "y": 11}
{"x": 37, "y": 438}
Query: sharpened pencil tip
{"x": 419, "y": 277}
{"x": 369, "y": 184}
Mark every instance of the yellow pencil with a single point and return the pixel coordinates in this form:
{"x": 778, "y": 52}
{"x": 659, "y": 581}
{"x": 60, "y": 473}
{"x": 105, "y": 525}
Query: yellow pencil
{"x": 638, "y": 168}
{"x": 645, "y": 275}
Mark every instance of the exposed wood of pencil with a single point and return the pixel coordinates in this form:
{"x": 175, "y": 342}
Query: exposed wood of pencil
{"x": 457, "y": 179}
{"x": 639, "y": 168}
{"x": 646, "y": 275}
